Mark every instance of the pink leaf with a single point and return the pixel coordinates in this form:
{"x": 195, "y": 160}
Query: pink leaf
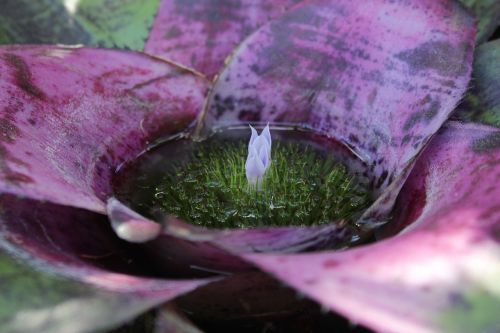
{"x": 201, "y": 34}
{"x": 442, "y": 269}
{"x": 70, "y": 116}
{"x": 355, "y": 71}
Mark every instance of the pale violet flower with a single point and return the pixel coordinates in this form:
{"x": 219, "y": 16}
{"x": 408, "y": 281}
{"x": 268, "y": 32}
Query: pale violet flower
{"x": 259, "y": 155}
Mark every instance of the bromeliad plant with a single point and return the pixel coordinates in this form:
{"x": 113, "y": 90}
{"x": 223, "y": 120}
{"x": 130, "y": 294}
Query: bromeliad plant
{"x": 356, "y": 71}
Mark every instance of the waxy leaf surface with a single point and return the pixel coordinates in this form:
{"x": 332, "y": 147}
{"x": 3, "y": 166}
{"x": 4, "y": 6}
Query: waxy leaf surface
{"x": 70, "y": 116}
{"x": 357, "y": 72}
{"x": 441, "y": 273}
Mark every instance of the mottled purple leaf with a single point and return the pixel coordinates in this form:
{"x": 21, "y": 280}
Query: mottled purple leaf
{"x": 70, "y": 116}
{"x": 202, "y": 33}
{"x": 217, "y": 251}
{"x": 356, "y": 71}
{"x": 179, "y": 253}
{"x": 441, "y": 273}
{"x": 112, "y": 280}
{"x": 81, "y": 245}
{"x": 184, "y": 249}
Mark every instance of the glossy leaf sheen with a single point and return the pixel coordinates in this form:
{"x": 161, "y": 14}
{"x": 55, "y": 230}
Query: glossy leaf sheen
{"x": 441, "y": 273}
{"x": 355, "y": 71}
{"x": 70, "y": 116}
{"x": 202, "y": 33}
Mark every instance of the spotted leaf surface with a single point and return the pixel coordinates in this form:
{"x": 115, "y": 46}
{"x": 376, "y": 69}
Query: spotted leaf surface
{"x": 110, "y": 23}
{"x": 482, "y": 103}
{"x": 202, "y": 33}
{"x": 70, "y": 116}
{"x": 355, "y": 71}
{"x": 440, "y": 274}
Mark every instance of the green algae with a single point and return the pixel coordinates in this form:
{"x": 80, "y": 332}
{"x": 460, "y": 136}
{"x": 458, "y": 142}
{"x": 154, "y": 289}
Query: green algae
{"x": 303, "y": 186}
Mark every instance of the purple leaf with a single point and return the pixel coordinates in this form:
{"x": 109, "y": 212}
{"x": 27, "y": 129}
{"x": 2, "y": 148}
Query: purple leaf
{"x": 113, "y": 280}
{"x": 201, "y": 34}
{"x": 441, "y": 273}
{"x": 355, "y": 71}
{"x": 70, "y": 116}
{"x": 185, "y": 249}
{"x": 80, "y": 244}
{"x": 129, "y": 225}
{"x": 175, "y": 249}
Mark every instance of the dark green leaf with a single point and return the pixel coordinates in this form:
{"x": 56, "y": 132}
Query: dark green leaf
{"x": 482, "y": 104}
{"x": 109, "y": 23}
{"x": 487, "y": 13}
{"x": 41, "y": 21}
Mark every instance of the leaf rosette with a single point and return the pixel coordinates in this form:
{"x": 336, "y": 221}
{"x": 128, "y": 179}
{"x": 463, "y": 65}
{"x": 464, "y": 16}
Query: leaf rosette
{"x": 357, "y": 72}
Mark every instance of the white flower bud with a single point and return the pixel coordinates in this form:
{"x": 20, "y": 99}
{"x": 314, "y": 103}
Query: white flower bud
{"x": 259, "y": 155}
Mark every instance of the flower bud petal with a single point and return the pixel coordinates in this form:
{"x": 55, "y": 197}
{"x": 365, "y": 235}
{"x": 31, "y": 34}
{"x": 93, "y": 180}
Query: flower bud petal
{"x": 254, "y": 168}
{"x": 259, "y": 155}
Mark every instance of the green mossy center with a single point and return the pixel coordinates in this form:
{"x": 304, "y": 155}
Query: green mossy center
{"x": 301, "y": 187}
